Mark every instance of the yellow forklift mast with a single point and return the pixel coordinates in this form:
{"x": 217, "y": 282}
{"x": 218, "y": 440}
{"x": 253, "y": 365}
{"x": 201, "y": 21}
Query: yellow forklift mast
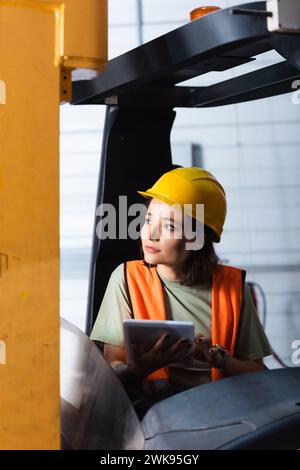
{"x": 41, "y": 42}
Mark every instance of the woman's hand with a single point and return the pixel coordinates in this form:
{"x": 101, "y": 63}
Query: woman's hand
{"x": 166, "y": 351}
{"x": 203, "y": 350}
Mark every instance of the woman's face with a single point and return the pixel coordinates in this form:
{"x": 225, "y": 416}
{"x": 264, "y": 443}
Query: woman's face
{"x": 162, "y": 235}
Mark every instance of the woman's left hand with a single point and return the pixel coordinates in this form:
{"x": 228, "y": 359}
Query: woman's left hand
{"x": 204, "y": 351}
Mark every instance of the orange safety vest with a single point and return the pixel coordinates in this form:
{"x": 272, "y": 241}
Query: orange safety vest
{"x": 147, "y": 301}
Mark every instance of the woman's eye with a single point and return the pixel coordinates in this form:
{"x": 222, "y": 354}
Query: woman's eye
{"x": 147, "y": 220}
{"x": 169, "y": 226}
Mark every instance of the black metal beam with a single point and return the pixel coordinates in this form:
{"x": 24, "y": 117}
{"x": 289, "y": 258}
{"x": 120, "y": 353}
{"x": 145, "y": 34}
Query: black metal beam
{"x": 152, "y": 97}
{"x": 217, "y": 34}
{"x": 269, "y": 81}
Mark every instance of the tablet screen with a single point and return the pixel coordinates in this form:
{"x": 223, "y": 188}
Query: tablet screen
{"x": 149, "y": 331}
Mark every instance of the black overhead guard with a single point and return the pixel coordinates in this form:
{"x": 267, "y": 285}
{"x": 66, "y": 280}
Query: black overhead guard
{"x": 149, "y": 74}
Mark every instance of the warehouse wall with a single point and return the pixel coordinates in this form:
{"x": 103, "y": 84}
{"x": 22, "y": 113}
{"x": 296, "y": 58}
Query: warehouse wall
{"x": 253, "y": 148}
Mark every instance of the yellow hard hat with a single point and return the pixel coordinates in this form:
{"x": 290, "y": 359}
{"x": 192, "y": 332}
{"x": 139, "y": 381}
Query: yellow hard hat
{"x": 193, "y": 185}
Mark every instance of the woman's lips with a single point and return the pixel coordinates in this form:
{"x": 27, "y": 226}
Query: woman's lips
{"x": 149, "y": 249}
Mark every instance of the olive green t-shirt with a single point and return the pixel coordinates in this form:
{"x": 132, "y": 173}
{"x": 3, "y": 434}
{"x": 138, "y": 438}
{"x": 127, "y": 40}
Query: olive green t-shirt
{"x": 183, "y": 303}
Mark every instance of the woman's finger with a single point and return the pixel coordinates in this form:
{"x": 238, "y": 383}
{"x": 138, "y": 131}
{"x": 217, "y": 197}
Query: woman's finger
{"x": 136, "y": 346}
{"x": 161, "y": 342}
{"x": 199, "y": 338}
{"x": 178, "y": 358}
{"x": 180, "y": 345}
{"x": 182, "y": 353}
{"x": 204, "y": 347}
{"x": 206, "y": 353}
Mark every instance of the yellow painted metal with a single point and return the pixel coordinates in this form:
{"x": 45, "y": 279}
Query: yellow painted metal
{"x": 37, "y": 41}
{"x": 66, "y": 85}
{"x": 29, "y": 230}
{"x": 85, "y": 34}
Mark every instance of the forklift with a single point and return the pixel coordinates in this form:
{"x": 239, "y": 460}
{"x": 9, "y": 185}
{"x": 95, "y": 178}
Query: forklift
{"x": 140, "y": 89}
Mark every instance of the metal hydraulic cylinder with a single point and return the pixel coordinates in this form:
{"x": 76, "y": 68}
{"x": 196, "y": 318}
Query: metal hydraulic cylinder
{"x": 41, "y": 44}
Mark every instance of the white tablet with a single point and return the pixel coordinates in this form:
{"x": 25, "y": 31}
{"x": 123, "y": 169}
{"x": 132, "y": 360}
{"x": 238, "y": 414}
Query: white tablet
{"x": 149, "y": 331}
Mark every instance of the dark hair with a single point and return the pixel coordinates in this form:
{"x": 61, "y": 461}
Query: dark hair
{"x": 200, "y": 265}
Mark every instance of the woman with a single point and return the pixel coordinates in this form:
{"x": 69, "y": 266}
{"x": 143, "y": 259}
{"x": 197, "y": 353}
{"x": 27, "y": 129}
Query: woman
{"x": 175, "y": 281}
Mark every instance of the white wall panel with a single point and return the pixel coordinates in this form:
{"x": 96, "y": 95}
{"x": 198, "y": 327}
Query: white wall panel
{"x": 121, "y": 12}
{"x": 121, "y": 39}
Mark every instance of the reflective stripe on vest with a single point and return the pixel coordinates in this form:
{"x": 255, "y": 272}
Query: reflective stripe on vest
{"x": 147, "y": 300}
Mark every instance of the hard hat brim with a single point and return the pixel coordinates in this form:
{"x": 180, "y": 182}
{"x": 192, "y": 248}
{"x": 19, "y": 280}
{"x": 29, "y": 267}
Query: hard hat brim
{"x": 152, "y": 194}
{"x": 162, "y": 197}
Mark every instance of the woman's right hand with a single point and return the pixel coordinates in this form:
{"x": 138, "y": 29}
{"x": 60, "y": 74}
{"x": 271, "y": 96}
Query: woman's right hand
{"x": 166, "y": 351}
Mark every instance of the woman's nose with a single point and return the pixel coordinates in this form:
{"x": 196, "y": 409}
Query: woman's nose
{"x": 154, "y": 233}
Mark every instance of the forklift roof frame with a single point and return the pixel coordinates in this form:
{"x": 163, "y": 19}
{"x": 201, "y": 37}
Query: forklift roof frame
{"x": 149, "y": 74}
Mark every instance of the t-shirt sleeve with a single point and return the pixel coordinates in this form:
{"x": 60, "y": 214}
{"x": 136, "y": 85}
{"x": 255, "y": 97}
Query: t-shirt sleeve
{"x": 252, "y": 342}
{"x": 115, "y": 308}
